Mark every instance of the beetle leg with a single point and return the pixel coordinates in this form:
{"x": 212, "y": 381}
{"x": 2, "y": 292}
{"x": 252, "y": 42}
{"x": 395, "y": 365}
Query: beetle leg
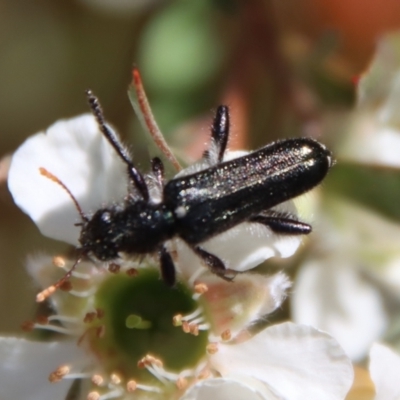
{"x": 215, "y": 264}
{"x": 282, "y": 224}
{"x": 168, "y": 272}
{"x": 219, "y": 136}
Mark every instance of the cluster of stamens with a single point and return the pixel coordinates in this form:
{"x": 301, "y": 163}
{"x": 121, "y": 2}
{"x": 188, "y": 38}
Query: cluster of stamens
{"x": 90, "y": 326}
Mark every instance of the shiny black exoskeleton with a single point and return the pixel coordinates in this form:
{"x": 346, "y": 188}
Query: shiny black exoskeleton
{"x": 201, "y": 205}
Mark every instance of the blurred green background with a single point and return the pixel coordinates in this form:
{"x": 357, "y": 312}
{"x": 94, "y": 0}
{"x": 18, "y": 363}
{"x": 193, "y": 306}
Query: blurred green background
{"x": 284, "y": 68}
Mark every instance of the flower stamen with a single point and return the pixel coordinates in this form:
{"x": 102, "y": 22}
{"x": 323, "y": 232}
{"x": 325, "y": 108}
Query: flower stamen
{"x": 53, "y": 328}
{"x": 191, "y": 323}
{"x": 195, "y": 275}
{"x": 113, "y": 394}
{"x": 199, "y": 289}
{"x": 114, "y": 268}
{"x": 63, "y": 318}
{"x": 97, "y": 380}
{"x": 83, "y": 293}
{"x": 226, "y": 335}
{"x": 59, "y": 373}
{"x": 212, "y": 348}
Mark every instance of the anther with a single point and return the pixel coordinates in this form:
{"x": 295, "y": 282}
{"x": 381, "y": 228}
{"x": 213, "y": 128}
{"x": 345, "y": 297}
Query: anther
{"x": 89, "y": 317}
{"x": 66, "y": 286}
{"x": 97, "y": 380}
{"x": 194, "y": 329}
{"x": 42, "y": 320}
{"x": 132, "y": 272}
{"x": 186, "y": 327}
{"x": 114, "y": 268}
{"x": 59, "y": 373}
{"x": 131, "y": 386}
{"x": 205, "y": 374}
{"x": 115, "y": 379}
{"x": 100, "y": 313}
{"x": 226, "y": 335}
{"x": 149, "y": 360}
{"x": 100, "y": 331}
{"x": 93, "y": 396}
{"x": 177, "y": 320}
{"x": 181, "y": 383}
{"x": 200, "y": 288}
{"x": 28, "y": 326}
{"x": 212, "y": 348}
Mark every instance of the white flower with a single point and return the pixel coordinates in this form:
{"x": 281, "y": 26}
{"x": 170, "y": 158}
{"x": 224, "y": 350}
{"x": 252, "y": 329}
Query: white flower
{"x": 338, "y": 286}
{"x": 374, "y": 137}
{"x": 77, "y": 153}
{"x": 133, "y": 333}
{"x": 25, "y": 367}
{"x": 285, "y": 361}
{"x": 384, "y": 369}
{"x": 352, "y": 275}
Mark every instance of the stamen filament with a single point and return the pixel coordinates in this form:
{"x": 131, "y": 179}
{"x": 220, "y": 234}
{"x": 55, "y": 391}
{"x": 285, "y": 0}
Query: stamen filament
{"x": 195, "y": 275}
{"x": 204, "y": 327}
{"x": 156, "y": 374}
{"x": 78, "y": 375}
{"x": 84, "y": 293}
{"x": 111, "y": 395}
{"x": 54, "y": 328}
{"x": 193, "y": 315}
{"x": 148, "y": 388}
{"x": 197, "y": 320}
{"x": 63, "y": 318}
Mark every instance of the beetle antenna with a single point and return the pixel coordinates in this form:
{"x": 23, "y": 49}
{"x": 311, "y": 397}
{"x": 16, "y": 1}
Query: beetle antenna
{"x": 44, "y": 294}
{"x": 134, "y": 174}
{"x": 53, "y": 178}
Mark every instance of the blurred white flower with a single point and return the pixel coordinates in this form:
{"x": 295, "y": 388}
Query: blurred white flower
{"x": 384, "y": 367}
{"x": 337, "y": 286}
{"x": 349, "y": 283}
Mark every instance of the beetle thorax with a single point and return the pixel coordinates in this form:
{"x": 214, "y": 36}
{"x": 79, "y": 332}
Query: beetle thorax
{"x": 137, "y": 228}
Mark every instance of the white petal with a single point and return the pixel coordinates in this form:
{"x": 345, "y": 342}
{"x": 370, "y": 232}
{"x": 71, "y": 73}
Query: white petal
{"x": 25, "y": 367}
{"x": 77, "y": 153}
{"x": 296, "y": 361}
{"x": 375, "y": 145}
{"x": 385, "y": 372}
{"x": 232, "y": 388}
{"x": 236, "y": 306}
{"x": 332, "y": 296}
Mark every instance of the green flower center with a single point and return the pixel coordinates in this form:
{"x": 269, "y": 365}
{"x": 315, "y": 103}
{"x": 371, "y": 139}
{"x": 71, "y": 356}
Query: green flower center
{"x": 138, "y": 321}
